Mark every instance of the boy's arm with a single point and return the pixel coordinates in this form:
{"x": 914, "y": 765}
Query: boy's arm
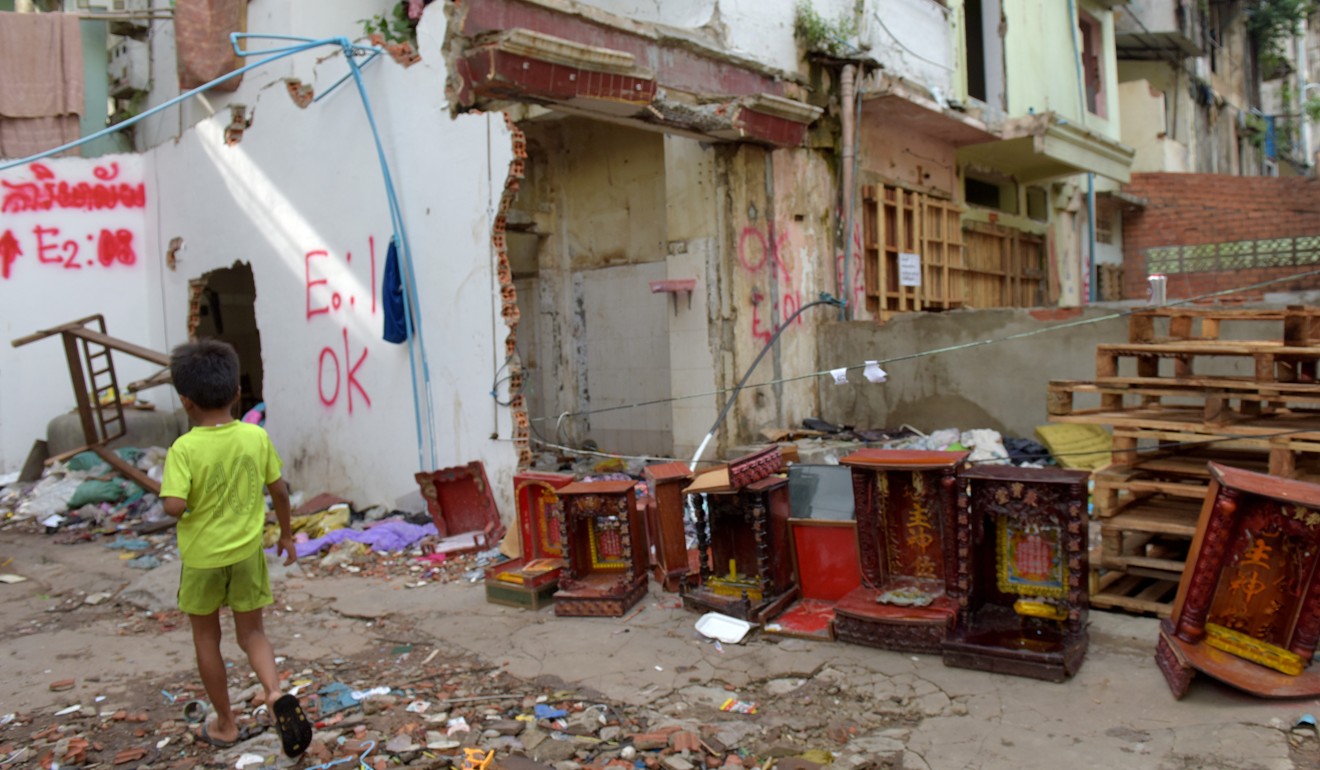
{"x": 279, "y": 495}
{"x": 174, "y": 506}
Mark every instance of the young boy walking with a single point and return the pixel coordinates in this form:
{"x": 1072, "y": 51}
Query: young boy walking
{"x": 213, "y": 482}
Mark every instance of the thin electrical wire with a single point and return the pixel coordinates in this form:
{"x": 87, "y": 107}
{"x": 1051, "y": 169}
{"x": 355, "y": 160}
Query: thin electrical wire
{"x": 994, "y": 459}
{"x": 939, "y": 351}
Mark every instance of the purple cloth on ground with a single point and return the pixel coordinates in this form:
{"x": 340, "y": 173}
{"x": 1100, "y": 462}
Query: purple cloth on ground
{"x": 390, "y": 535}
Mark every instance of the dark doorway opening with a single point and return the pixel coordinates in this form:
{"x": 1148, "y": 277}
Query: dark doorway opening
{"x": 226, "y": 310}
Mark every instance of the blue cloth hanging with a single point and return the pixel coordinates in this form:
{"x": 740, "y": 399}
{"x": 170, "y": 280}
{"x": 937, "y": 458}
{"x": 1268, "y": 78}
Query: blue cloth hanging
{"x": 397, "y": 327}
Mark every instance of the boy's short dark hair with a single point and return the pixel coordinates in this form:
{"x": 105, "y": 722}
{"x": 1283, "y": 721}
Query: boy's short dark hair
{"x": 205, "y": 372}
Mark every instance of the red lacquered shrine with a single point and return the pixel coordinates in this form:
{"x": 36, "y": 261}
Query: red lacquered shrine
{"x": 904, "y": 503}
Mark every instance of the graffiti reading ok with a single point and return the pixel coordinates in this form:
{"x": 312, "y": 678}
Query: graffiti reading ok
{"x": 758, "y": 251}
{"x": 337, "y": 376}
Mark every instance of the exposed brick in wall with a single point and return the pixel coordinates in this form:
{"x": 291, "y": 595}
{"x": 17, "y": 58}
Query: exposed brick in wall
{"x": 1194, "y": 209}
{"x": 201, "y": 34}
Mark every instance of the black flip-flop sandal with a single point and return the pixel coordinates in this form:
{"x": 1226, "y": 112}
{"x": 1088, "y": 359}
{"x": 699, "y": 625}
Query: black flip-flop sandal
{"x": 244, "y": 733}
{"x": 295, "y": 730}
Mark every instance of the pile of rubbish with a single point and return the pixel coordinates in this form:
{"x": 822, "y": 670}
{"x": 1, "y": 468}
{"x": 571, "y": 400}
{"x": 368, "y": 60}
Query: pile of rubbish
{"x": 86, "y": 493}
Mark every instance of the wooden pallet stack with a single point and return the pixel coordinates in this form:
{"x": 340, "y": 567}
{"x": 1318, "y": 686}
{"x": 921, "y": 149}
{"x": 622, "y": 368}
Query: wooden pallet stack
{"x": 1178, "y": 395}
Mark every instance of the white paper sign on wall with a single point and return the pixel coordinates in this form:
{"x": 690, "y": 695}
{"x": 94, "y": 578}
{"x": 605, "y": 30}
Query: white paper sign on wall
{"x": 909, "y": 269}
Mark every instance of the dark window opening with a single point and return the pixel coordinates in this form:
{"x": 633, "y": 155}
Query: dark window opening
{"x": 979, "y": 193}
{"x": 1092, "y": 70}
{"x": 974, "y": 37}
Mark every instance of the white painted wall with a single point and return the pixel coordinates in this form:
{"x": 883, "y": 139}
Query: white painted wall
{"x": 912, "y": 40}
{"x": 294, "y": 198}
{"x": 60, "y": 276}
{"x": 304, "y": 18}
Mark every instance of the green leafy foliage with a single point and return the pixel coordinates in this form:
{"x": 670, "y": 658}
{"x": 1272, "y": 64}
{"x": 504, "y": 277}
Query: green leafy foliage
{"x": 394, "y": 27}
{"x": 1271, "y": 23}
{"x": 822, "y": 35}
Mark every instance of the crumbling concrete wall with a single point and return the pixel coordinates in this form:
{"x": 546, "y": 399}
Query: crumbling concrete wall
{"x": 1000, "y": 386}
{"x": 780, "y": 258}
{"x": 300, "y": 198}
{"x": 595, "y": 203}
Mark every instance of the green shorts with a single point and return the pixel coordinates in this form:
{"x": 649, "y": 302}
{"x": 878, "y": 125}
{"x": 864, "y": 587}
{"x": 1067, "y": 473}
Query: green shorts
{"x": 242, "y": 587}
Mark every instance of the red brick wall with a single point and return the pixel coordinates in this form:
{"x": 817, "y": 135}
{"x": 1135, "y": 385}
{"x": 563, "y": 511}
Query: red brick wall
{"x": 1194, "y": 209}
{"x": 201, "y": 35}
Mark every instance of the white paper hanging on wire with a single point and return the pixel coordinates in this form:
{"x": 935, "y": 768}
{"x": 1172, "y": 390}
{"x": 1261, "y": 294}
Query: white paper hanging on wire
{"x": 874, "y": 373}
{"x": 840, "y": 375}
{"x": 909, "y": 269}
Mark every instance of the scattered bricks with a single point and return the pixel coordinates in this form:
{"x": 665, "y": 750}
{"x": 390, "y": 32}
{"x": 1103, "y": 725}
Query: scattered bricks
{"x": 76, "y": 753}
{"x": 129, "y": 755}
{"x": 354, "y": 746}
{"x": 675, "y": 762}
{"x": 140, "y": 733}
{"x": 318, "y": 753}
{"x": 119, "y": 716}
{"x": 684, "y": 741}
{"x": 733, "y": 762}
{"x": 650, "y": 741}
{"x": 140, "y": 716}
{"x": 62, "y": 685}
{"x": 49, "y": 734}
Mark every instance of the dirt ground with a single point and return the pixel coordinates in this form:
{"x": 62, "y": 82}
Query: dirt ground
{"x": 463, "y": 673}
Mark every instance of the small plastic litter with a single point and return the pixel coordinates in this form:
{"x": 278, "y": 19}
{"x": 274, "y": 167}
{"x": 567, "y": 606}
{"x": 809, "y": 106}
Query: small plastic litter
{"x": 336, "y": 697}
{"x": 457, "y": 725}
{"x": 418, "y": 707}
{"x": 543, "y": 711}
{"x": 122, "y": 543}
{"x": 249, "y": 759}
{"x": 724, "y": 628}
{"x": 365, "y": 694}
{"x": 145, "y": 561}
{"x": 67, "y": 711}
{"x": 735, "y": 706}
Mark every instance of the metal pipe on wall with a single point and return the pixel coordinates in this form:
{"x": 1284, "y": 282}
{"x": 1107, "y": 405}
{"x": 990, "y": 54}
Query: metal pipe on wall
{"x": 847, "y": 95}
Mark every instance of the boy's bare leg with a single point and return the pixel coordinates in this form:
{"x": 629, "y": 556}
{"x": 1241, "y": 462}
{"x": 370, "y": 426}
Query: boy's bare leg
{"x": 211, "y": 666}
{"x": 252, "y": 638}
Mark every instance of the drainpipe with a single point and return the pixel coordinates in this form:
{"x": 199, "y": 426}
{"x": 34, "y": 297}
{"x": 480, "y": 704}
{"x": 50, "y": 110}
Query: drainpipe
{"x": 1303, "y": 75}
{"x": 848, "y": 93}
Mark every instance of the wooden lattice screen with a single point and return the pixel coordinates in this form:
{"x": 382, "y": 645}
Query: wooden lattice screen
{"x": 977, "y": 266}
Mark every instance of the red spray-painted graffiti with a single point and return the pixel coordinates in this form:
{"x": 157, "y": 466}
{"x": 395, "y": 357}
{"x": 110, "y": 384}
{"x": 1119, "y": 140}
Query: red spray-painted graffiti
{"x": 47, "y": 192}
{"x": 113, "y": 247}
{"x": 337, "y": 376}
{"x": 67, "y": 224}
{"x": 759, "y": 251}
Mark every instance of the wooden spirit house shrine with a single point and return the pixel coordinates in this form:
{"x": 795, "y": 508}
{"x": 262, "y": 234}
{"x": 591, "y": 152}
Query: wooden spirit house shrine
{"x": 904, "y": 502}
{"x": 1248, "y": 605}
{"x": 531, "y": 580}
{"x": 664, "y": 523}
{"x": 1021, "y": 572}
{"x": 742, "y": 511}
{"x": 604, "y": 542}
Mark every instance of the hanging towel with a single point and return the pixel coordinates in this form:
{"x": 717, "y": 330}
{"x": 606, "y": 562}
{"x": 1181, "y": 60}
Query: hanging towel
{"x": 42, "y": 93}
{"x": 391, "y": 295}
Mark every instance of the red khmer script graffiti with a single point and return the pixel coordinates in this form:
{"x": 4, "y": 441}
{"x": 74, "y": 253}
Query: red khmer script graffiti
{"x": 48, "y": 192}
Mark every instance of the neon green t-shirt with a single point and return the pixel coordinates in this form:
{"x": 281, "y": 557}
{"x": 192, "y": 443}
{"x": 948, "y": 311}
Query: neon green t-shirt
{"x": 220, "y": 472}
